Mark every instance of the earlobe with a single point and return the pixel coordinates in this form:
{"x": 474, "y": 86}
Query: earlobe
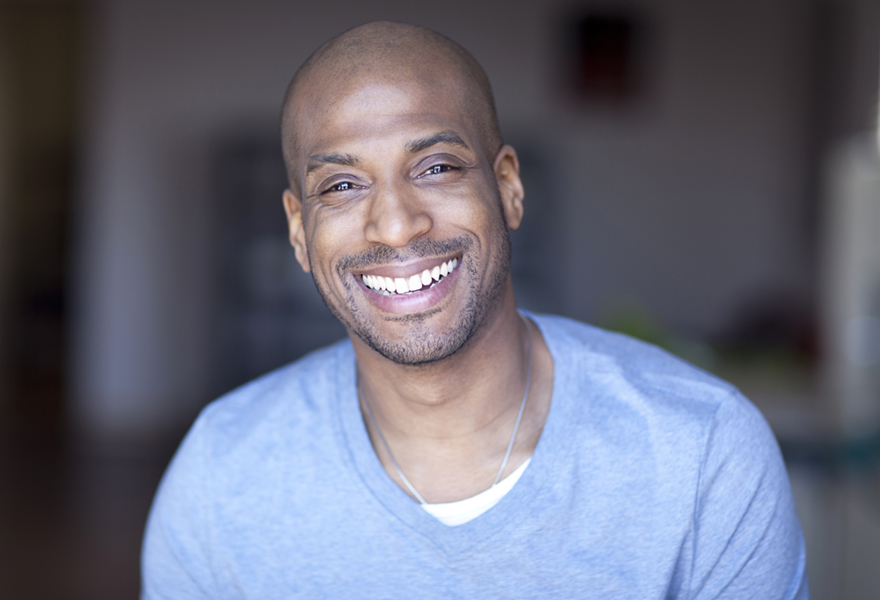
{"x": 293, "y": 209}
{"x": 509, "y": 185}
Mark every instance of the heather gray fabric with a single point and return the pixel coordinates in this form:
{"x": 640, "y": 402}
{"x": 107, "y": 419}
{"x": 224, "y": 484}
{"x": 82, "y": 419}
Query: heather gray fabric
{"x": 652, "y": 480}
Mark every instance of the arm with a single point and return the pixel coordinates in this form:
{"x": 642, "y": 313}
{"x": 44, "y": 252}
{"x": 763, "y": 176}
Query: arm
{"x": 175, "y": 560}
{"x": 746, "y": 539}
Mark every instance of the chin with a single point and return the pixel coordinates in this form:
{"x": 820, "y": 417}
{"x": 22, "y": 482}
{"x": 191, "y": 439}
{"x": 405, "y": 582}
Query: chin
{"x": 420, "y": 346}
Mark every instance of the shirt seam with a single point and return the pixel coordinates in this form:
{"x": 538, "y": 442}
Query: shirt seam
{"x": 697, "y": 492}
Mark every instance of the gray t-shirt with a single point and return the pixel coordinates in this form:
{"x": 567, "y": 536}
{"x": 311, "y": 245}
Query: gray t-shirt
{"x": 651, "y": 480}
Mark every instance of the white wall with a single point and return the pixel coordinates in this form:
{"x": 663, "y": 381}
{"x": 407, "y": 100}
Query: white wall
{"x": 685, "y": 205}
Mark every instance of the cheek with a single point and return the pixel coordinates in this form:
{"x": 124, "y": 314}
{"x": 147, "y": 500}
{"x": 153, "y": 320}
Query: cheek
{"x": 321, "y": 244}
{"x": 474, "y": 208}
{"x": 484, "y": 217}
{"x": 330, "y": 235}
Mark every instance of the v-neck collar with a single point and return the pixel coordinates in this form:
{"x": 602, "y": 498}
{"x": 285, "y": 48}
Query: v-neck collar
{"x": 515, "y": 506}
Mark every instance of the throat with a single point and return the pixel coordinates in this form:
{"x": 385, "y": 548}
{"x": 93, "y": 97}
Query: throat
{"x": 457, "y": 476}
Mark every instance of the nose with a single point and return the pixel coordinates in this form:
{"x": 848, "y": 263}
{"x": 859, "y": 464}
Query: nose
{"x": 396, "y": 217}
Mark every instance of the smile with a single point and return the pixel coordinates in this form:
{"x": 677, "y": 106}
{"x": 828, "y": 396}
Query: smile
{"x": 406, "y": 285}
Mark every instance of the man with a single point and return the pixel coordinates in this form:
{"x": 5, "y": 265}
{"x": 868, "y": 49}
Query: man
{"x": 453, "y": 447}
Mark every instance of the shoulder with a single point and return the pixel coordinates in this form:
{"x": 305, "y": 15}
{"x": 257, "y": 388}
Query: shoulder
{"x": 269, "y": 409}
{"x": 628, "y": 399}
{"x": 237, "y": 451}
{"x": 622, "y": 370}
{"x": 606, "y": 351}
{"x": 699, "y": 456}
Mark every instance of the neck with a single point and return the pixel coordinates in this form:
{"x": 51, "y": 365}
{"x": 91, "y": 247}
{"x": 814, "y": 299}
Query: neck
{"x": 449, "y": 397}
{"x": 448, "y": 423}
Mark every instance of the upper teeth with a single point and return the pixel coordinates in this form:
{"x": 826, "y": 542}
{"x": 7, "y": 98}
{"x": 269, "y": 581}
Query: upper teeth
{"x": 403, "y": 285}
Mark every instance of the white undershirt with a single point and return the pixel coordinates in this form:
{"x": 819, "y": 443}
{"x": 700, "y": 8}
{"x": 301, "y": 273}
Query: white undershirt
{"x": 462, "y": 511}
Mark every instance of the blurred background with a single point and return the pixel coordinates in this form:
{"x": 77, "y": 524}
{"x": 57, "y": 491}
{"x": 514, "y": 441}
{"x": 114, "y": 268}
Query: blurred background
{"x": 702, "y": 175}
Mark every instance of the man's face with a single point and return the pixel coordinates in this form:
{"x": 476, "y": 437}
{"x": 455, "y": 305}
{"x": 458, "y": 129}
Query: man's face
{"x": 403, "y": 223}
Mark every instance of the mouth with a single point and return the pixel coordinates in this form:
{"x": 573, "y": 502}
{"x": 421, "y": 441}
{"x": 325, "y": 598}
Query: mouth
{"x": 407, "y": 284}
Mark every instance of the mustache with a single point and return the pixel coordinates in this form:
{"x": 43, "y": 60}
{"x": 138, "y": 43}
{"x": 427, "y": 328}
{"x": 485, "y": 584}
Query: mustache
{"x": 420, "y": 248}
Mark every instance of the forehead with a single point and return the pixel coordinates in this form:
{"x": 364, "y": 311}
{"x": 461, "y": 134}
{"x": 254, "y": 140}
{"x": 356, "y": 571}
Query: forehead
{"x": 333, "y": 110}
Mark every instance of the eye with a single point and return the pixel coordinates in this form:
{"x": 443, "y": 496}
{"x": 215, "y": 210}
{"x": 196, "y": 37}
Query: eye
{"x": 342, "y": 186}
{"x": 438, "y": 169}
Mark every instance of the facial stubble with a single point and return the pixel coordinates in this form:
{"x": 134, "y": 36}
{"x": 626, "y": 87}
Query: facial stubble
{"x": 420, "y": 345}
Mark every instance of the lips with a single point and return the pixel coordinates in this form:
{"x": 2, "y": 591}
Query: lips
{"x": 400, "y": 286}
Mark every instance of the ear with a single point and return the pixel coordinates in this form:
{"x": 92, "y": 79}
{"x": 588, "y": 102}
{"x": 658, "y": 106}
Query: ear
{"x": 509, "y": 185}
{"x": 293, "y": 208}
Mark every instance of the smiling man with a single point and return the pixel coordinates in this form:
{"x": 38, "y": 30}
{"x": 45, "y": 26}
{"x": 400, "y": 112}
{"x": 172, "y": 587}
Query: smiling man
{"x": 453, "y": 446}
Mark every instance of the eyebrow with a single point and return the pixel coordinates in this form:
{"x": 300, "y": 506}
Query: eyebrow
{"x": 448, "y": 136}
{"x": 318, "y": 160}
{"x": 443, "y": 137}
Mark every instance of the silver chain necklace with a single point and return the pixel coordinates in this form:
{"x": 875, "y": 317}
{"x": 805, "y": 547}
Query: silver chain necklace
{"x": 522, "y": 407}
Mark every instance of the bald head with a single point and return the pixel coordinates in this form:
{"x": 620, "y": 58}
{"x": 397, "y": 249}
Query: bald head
{"x": 388, "y": 53}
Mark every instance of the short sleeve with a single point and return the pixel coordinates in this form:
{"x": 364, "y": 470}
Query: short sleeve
{"x": 747, "y": 540}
